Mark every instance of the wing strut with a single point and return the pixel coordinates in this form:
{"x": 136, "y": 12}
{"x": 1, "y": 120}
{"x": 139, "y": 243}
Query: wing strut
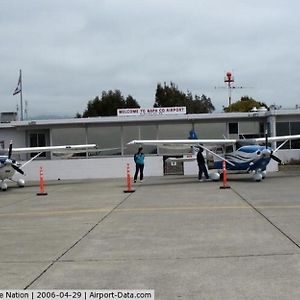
{"x": 29, "y": 161}
{"x": 217, "y": 155}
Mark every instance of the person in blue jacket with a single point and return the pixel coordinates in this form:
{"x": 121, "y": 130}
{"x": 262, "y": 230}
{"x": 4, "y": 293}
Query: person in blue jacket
{"x": 139, "y": 158}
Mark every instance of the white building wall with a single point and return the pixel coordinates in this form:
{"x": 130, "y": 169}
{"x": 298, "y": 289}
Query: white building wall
{"x": 67, "y": 169}
{"x": 89, "y": 168}
{"x": 10, "y": 134}
{"x": 287, "y": 154}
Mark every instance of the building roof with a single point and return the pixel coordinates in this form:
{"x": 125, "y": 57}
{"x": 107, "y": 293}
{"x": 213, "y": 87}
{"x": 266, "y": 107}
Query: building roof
{"x": 214, "y": 117}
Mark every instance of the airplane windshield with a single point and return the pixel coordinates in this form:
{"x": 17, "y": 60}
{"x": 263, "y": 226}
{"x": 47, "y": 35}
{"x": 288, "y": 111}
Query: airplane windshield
{"x": 240, "y": 144}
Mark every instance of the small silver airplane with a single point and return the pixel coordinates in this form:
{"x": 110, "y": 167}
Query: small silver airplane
{"x": 247, "y": 155}
{"x": 8, "y": 166}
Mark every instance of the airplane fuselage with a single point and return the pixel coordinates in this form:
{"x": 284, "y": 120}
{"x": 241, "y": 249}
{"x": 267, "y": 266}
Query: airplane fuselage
{"x": 6, "y": 171}
{"x": 246, "y": 158}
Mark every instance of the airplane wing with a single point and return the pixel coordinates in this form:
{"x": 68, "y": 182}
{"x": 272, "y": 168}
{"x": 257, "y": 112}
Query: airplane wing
{"x": 190, "y": 157}
{"x": 186, "y": 142}
{"x": 57, "y": 149}
{"x": 209, "y": 142}
{"x": 82, "y": 150}
{"x": 274, "y": 138}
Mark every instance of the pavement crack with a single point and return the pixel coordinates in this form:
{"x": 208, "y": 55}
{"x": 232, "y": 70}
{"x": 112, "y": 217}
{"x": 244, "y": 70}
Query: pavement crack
{"x": 266, "y": 218}
{"x": 78, "y": 241}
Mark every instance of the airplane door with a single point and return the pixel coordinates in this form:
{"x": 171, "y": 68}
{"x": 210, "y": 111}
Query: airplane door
{"x": 209, "y": 160}
{"x": 173, "y": 167}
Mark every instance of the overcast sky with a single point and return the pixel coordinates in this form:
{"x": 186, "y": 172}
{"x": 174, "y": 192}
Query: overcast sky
{"x": 72, "y": 50}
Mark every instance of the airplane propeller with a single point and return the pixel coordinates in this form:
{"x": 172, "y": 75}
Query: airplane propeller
{"x": 17, "y": 169}
{"x": 266, "y": 139}
{"x": 10, "y": 150}
{"x": 276, "y": 158}
{"x": 271, "y": 154}
{"x": 9, "y": 161}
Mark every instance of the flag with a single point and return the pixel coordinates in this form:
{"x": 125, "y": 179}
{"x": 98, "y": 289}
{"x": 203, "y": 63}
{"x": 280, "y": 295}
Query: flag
{"x": 19, "y": 86}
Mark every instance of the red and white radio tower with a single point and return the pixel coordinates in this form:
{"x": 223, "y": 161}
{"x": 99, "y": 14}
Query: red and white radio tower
{"x": 229, "y": 79}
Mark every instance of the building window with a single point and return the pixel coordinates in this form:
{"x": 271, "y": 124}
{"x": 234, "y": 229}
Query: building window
{"x": 210, "y": 130}
{"x": 106, "y": 137}
{"x": 233, "y": 128}
{"x": 295, "y": 129}
{"x": 288, "y": 128}
{"x": 174, "y": 131}
{"x": 37, "y": 140}
{"x": 283, "y": 128}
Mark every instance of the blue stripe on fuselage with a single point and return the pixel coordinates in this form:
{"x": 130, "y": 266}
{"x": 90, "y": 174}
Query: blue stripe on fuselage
{"x": 249, "y": 161}
{"x": 3, "y": 159}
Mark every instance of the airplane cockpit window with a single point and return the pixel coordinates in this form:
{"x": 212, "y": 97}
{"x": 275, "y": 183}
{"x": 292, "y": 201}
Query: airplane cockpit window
{"x": 229, "y": 149}
{"x": 240, "y": 144}
{"x": 219, "y": 150}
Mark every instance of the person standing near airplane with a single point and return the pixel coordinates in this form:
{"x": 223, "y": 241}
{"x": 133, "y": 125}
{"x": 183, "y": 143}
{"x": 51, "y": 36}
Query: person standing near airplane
{"x": 201, "y": 165}
{"x": 139, "y": 158}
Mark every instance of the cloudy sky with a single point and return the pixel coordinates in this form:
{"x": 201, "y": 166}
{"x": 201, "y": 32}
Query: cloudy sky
{"x": 72, "y": 50}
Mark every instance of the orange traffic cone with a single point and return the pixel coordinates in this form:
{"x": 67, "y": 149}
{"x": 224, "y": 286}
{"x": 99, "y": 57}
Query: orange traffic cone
{"x": 224, "y": 186}
{"x": 42, "y": 184}
{"x": 128, "y": 179}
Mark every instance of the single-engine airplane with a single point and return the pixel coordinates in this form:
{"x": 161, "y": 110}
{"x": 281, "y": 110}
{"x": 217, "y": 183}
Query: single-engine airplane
{"x": 8, "y": 166}
{"x": 246, "y": 155}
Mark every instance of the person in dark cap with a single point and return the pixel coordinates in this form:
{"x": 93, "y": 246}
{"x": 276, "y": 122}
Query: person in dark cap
{"x": 201, "y": 164}
{"x": 139, "y": 158}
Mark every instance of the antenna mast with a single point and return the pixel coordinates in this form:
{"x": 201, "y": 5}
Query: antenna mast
{"x": 229, "y": 79}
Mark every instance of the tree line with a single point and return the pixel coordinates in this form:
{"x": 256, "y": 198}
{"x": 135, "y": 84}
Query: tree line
{"x": 166, "y": 95}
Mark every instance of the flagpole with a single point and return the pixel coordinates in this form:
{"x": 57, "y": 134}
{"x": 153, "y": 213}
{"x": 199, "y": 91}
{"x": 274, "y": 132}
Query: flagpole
{"x": 21, "y": 95}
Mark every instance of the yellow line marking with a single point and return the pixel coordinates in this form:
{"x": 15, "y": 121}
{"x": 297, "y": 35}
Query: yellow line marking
{"x": 141, "y": 209}
{"x": 55, "y": 212}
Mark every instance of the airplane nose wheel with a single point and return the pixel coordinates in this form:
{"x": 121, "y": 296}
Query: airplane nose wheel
{"x": 3, "y": 186}
{"x": 258, "y": 177}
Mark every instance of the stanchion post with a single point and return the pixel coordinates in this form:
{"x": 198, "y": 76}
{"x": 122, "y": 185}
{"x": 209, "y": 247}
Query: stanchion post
{"x": 42, "y": 184}
{"x": 224, "y": 186}
{"x": 128, "y": 179}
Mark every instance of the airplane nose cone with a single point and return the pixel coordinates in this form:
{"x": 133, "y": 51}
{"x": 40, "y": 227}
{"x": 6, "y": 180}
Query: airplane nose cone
{"x": 266, "y": 153}
{"x": 8, "y": 162}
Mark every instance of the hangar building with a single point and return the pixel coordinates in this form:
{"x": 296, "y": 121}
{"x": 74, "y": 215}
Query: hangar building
{"x": 115, "y": 132}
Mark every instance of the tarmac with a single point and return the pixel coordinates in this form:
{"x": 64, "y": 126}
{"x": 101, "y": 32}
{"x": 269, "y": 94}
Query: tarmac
{"x": 182, "y": 238}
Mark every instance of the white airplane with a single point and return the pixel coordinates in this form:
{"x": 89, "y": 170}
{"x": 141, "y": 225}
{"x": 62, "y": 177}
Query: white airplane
{"x": 8, "y": 166}
{"x": 249, "y": 157}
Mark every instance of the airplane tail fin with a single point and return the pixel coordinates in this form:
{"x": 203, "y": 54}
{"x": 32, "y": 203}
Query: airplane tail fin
{"x": 193, "y": 135}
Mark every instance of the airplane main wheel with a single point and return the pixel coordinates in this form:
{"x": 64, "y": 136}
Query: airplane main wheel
{"x": 214, "y": 176}
{"x": 21, "y": 182}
